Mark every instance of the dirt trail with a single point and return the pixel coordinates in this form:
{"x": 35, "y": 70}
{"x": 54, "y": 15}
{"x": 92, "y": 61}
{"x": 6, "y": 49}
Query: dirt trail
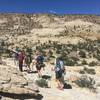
{"x": 53, "y": 93}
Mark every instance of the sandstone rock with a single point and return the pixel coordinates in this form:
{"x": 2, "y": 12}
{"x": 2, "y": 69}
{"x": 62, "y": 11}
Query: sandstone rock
{"x": 73, "y": 78}
{"x": 18, "y": 90}
{"x": 12, "y": 81}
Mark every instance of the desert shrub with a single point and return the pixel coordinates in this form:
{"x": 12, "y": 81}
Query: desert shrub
{"x": 85, "y": 82}
{"x": 93, "y": 63}
{"x": 84, "y": 62}
{"x": 1, "y": 50}
{"x": 2, "y": 43}
{"x": 58, "y": 51}
{"x": 63, "y": 53}
{"x": 74, "y": 48}
{"x": 89, "y": 71}
{"x": 51, "y": 53}
{"x": 49, "y": 41}
{"x": 82, "y": 72}
{"x": 74, "y": 58}
{"x": 81, "y": 45}
{"x": 42, "y": 82}
{"x": 97, "y": 57}
{"x": 70, "y": 62}
{"x": 64, "y": 33}
{"x": 82, "y": 54}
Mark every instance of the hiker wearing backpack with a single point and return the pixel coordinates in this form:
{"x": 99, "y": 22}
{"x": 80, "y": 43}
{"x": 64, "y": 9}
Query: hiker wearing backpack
{"x": 20, "y": 60}
{"x": 28, "y": 58}
{"x": 39, "y": 62}
{"x": 59, "y": 70}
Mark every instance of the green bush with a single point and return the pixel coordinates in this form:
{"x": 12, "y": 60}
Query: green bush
{"x": 70, "y": 62}
{"x": 82, "y": 54}
{"x": 84, "y": 62}
{"x": 93, "y": 63}
{"x": 85, "y": 82}
{"x": 82, "y": 72}
{"x": 74, "y": 58}
{"x": 97, "y": 57}
{"x": 42, "y": 82}
{"x": 89, "y": 71}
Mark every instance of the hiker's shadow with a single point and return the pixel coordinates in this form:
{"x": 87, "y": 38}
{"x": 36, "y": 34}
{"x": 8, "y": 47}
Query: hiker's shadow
{"x": 46, "y": 77}
{"x": 67, "y": 86}
{"x": 30, "y": 72}
{"x": 20, "y": 96}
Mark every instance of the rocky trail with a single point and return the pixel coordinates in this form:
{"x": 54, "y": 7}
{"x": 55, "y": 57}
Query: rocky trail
{"x": 53, "y": 93}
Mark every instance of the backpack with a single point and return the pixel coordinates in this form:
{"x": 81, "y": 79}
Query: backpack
{"x": 28, "y": 58}
{"x": 58, "y": 65}
{"x": 16, "y": 55}
{"x": 40, "y": 59}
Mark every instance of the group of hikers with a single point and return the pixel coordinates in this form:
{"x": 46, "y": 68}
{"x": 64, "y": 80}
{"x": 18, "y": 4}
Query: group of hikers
{"x": 25, "y": 58}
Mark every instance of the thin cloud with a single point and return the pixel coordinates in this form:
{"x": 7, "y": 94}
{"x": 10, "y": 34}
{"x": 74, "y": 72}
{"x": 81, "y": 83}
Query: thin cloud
{"x": 52, "y": 11}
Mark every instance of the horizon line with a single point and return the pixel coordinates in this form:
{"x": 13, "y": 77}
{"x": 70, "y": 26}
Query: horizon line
{"x": 49, "y": 13}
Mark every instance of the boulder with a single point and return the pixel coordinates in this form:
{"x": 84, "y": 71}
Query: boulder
{"x": 12, "y": 81}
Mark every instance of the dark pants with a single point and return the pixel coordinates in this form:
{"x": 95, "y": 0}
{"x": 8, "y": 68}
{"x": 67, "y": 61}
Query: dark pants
{"x": 21, "y": 66}
{"x": 58, "y": 74}
{"x": 38, "y": 67}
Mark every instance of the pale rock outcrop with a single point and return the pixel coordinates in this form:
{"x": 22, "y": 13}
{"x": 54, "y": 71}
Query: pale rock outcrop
{"x": 12, "y": 81}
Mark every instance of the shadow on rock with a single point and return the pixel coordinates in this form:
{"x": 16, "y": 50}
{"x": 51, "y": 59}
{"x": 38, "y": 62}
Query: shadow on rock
{"x": 67, "y": 86}
{"x": 21, "y": 96}
{"x": 32, "y": 72}
{"x": 46, "y": 77}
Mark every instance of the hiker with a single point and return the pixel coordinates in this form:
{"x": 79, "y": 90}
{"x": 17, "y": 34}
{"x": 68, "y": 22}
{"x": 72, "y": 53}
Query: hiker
{"x": 15, "y": 56}
{"x": 20, "y": 59}
{"x": 28, "y": 58}
{"x": 39, "y": 62}
{"x": 59, "y": 70}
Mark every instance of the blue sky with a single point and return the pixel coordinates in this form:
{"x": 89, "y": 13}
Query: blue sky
{"x": 51, "y": 6}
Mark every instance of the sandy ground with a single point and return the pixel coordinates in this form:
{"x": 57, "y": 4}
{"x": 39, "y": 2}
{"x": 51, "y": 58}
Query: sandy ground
{"x": 53, "y": 93}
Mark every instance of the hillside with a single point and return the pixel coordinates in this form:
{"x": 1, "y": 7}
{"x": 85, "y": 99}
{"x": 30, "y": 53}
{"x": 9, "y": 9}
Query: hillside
{"x": 75, "y": 37}
{"x": 15, "y": 28}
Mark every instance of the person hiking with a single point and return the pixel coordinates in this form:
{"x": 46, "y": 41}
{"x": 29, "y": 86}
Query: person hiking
{"x": 59, "y": 70}
{"x": 28, "y": 58}
{"x": 39, "y": 62}
{"x": 15, "y": 56}
{"x": 20, "y": 60}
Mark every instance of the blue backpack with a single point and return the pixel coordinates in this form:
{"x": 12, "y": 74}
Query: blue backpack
{"x": 40, "y": 59}
{"x": 58, "y": 65}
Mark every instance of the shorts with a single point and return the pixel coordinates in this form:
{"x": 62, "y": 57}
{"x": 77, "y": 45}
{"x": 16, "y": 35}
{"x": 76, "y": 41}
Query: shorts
{"x": 38, "y": 66}
{"x": 58, "y": 74}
